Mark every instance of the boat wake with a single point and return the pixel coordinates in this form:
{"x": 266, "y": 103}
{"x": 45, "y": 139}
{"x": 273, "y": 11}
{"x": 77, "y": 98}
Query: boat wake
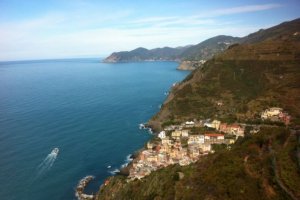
{"x": 47, "y": 162}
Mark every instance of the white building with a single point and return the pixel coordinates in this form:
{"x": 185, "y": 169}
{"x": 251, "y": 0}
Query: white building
{"x": 214, "y": 124}
{"x": 271, "y": 112}
{"x": 166, "y": 140}
{"x": 162, "y": 135}
{"x": 189, "y": 123}
{"x": 213, "y": 136}
{"x": 195, "y": 139}
{"x": 201, "y": 139}
{"x": 184, "y": 133}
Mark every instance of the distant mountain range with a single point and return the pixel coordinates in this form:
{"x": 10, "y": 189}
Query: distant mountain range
{"x": 263, "y": 68}
{"x": 262, "y": 71}
{"x": 143, "y": 54}
{"x": 202, "y": 51}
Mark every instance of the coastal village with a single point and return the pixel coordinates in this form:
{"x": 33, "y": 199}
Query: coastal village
{"x": 177, "y": 144}
{"x": 181, "y": 144}
{"x": 186, "y": 143}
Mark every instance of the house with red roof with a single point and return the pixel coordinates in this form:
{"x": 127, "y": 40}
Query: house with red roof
{"x": 214, "y": 137}
{"x": 233, "y": 129}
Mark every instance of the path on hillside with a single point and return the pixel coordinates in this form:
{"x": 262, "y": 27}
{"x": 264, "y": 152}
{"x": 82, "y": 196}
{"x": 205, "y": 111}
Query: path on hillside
{"x": 248, "y": 171}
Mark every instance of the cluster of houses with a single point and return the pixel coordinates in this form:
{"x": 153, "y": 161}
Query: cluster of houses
{"x": 231, "y": 129}
{"x": 276, "y": 114}
{"x": 176, "y": 145}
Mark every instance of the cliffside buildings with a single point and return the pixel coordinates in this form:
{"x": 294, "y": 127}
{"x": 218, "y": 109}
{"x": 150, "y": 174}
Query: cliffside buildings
{"x": 276, "y": 114}
{"x": 176, "y": 145}
{"x": 233, "y": 129}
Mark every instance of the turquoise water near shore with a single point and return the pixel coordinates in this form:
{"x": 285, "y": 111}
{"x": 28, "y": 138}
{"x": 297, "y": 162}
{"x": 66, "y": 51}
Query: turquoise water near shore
{"x": 89, "y": 110}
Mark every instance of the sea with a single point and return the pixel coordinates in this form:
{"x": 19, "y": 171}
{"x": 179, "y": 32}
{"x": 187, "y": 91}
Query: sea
{"x": 89, "y": 110}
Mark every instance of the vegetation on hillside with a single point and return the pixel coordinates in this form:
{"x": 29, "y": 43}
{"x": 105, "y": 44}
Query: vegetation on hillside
{"x": 234, "y": 86}
{"x": 246, "y": 78}
{"x": 244, "y": 172}
{"x": 202, "y": 51}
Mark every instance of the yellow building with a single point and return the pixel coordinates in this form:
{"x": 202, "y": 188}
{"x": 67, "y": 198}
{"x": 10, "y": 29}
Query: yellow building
{"x": 176, "y": 134}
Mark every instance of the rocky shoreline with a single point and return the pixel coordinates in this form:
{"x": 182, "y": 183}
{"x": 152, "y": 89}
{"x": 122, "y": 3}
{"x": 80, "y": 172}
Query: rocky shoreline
{"x": 80, "y": 189}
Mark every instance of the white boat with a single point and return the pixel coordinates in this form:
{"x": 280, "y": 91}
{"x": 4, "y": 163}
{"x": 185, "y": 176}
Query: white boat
{"x": 108, "y": 167}
{"x": 55, "y": 151}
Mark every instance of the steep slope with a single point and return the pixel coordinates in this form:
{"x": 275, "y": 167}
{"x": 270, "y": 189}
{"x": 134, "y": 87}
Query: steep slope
{"x": 281, "y": 32}
{"x": 246, "y": 78}
{"x": 208, "y": 48}
{"x": 261, "y": 166}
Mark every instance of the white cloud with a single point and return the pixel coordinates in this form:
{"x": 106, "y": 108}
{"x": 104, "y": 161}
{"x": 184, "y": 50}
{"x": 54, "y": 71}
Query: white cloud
{"x": 243, "y": 9}
{"x": 153, "y": 20}
{"x": 106, "y": 40}
{"x": 61, "y": 35}
{"x": 205, "y": 18}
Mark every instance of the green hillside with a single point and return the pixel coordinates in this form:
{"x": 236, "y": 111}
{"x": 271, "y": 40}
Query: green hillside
{"x": 143, "y": 54}
{"x": 204, "y": 50}
{"x": 281, "y": 32}
{"x": 247, "y": 171}
{"x": 246, "y": 79}
{"x": 208, "y": 48}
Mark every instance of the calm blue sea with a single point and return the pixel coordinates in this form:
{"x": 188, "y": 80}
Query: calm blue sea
{"x": 89, "y": 110}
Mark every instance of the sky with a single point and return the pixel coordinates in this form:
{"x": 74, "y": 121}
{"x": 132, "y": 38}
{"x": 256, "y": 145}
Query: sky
{"x": 35, "y": 29}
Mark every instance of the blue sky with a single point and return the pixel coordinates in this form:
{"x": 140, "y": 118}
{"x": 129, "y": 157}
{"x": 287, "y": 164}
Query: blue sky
{"x": 35, "y": 29}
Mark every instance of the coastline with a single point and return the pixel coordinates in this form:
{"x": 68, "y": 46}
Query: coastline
{"x": 124, "y": 168}
{"x": 137, "y": 61}
{"x": 179, "y": 142}
{"x": 124, "y": 171}
{"x": 182, "y": 65}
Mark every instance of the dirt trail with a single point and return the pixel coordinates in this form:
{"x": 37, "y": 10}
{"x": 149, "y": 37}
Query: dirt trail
{"x": 248, "y": 171}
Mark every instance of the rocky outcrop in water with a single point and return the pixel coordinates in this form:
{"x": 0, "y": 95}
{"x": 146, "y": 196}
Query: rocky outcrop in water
{"x": 80, "y": 189}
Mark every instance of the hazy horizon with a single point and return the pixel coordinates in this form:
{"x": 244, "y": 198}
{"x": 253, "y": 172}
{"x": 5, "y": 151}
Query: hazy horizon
{"x": 33, "y": 30}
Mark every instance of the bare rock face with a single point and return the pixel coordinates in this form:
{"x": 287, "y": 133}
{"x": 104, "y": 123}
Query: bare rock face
{"x": 186, "y": 65}
{"x": 190, "y": 65}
